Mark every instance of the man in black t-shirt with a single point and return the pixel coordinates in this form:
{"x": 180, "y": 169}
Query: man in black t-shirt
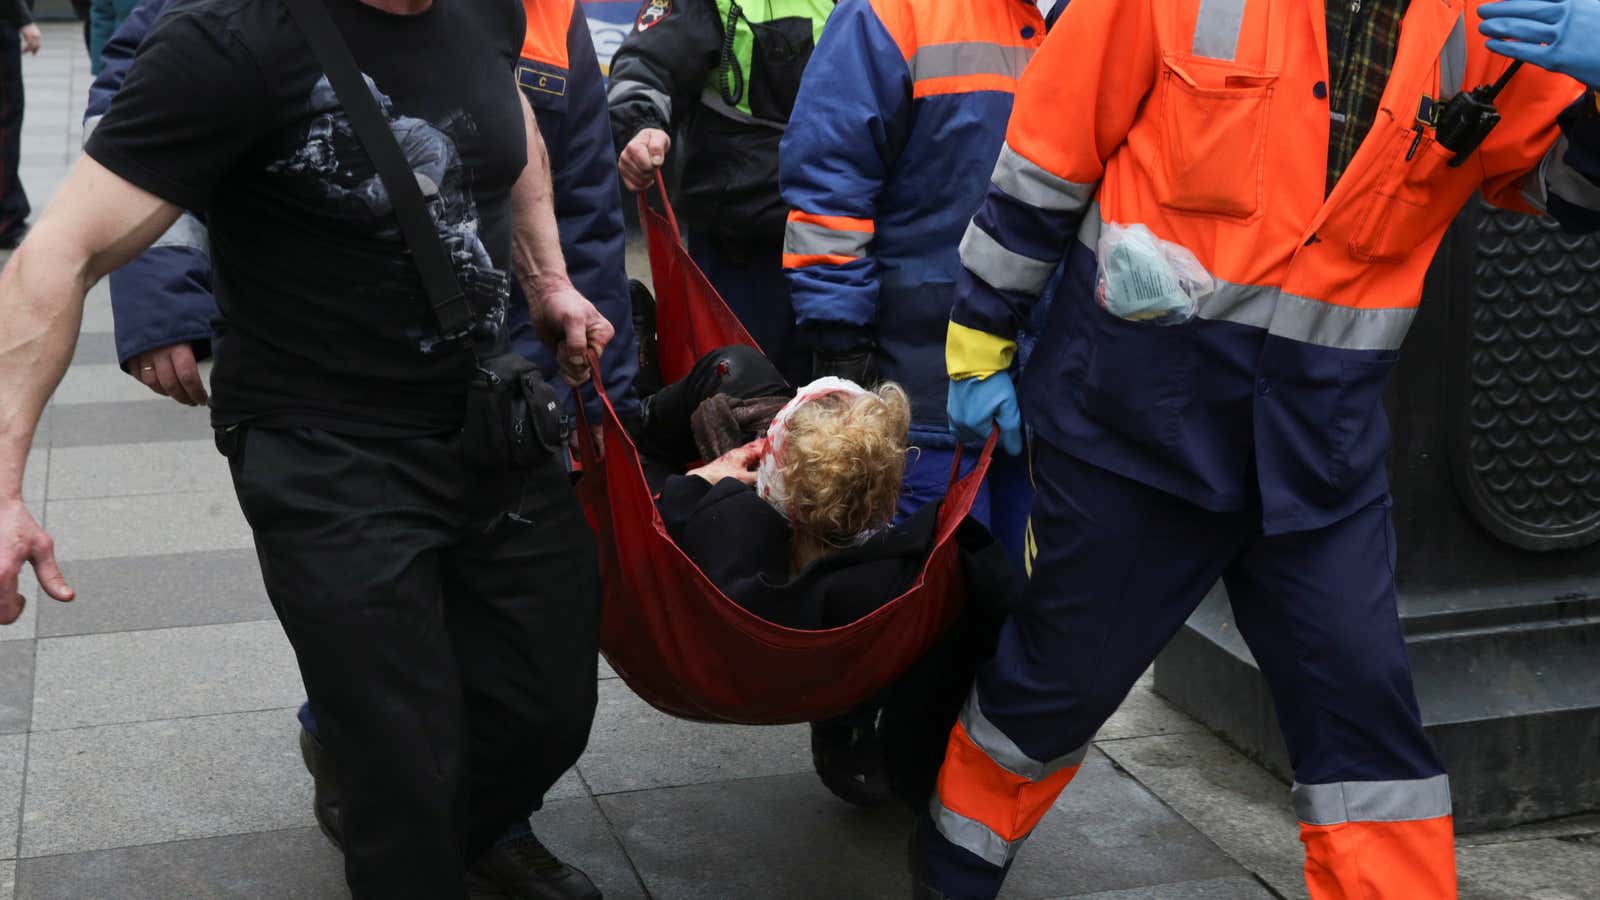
{"x": 445, "y": 617}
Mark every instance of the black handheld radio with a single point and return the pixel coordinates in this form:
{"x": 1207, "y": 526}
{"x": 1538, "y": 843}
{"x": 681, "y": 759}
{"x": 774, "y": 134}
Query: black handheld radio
{"x": 1467, "y": 118}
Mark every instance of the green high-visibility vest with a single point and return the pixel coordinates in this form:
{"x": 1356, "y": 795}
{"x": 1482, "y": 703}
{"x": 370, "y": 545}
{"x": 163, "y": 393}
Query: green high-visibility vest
{"x": 731, "y": 82}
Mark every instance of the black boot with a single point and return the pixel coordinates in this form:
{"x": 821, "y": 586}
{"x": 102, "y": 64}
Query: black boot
{"x": 324, "y": 792}
{"x": 524, "y": 869}
{"x": 848, "y": 756}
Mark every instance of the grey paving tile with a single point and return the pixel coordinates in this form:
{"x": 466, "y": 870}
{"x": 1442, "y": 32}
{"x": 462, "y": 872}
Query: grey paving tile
{"x": 150, "y": 782}
{"x": 606, "y": 672}
{"x": 1554, "y": 869}
{"x": 118, "y": 470}
{"x": 13, "y": 766}
{"x": 8, "y": 880}
{"x": 295, "y": 864}
{"x": 1235, "y": 802}
{"x": 1142, "y": 714}
{"x": 102, "y": 384}
{"x": 626, "y": 730}
{"x": 16, "y": 685}
{"x": 97, "y": 318}
{"x": 1571, "y": 826}
{"x": 41, "y": 431}
{"x": 172, "y": 590}
{"x": 770, "y": 838}
{"x": 127, "y": 423}
{"x": 567, "y": 787}
{"x": 35, "y": 476}
{"x": 577, "y": 832}
{"x": 1107, "y": 832}
{"x": 1240, "y": 888}
{"x": 96, "y": 348}
{"x": 137, "y": 676}
{"x": 26, "y": 625}
{"x": 149, "y": 525}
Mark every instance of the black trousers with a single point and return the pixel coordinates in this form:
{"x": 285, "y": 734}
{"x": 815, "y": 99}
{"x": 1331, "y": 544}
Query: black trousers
{"x": 445, "y": 621}
{"x": 14, "y": 208}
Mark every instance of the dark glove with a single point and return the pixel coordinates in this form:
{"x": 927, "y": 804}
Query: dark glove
{"x": 860, "y": 366}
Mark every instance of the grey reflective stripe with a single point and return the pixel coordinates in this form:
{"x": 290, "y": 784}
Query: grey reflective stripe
{"x": 1004, "y": 752}
{"x": 1372, "y": 801}
{"x": 622, "y": 91}
{"x": 1340, "y": 327}
{"x": 1216, "y": 28}
{"x": 187, "y": 233}
{"x": 1241, "y": 304}
{"x": 968, "y": 58}
{"x": 89, "y": 126}
{"x": 1559, "y": 179}
{"x": 811, "y": 239}
{"x": 1032, "y": 184}
{"x": 1000, "y": 268}
{"x": 971, "y": 835}
{"x": 1453, "y": 61}
{"x": 713, "y": 101}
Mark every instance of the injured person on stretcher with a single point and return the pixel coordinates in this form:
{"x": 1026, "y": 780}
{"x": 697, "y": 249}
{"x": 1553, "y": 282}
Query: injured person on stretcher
{"x": 791, "y": 519}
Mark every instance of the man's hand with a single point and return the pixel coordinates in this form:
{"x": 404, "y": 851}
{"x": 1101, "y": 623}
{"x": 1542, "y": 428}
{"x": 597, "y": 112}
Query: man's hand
{"x": 1559, "y": 35}
{"x": 571, "y": 325}
{"x": 22, "y": 540}
{"x": 639, "y": 161}
{"x": 740, "y": 464}
{"x": 171, "y": 372}
{"x": 32, "y": 38}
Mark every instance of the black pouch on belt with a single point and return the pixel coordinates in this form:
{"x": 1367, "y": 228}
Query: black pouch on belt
{"x": 513, "y": 419}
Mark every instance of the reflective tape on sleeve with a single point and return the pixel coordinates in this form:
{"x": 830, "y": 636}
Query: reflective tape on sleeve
{"x": 968, "y": 58}
{"x": 811, "y": 239}
{"x": 1560, "y": 179}
{"x": 1032, "y": 184}
{"x": 1372, "y": 801}
{"x": 1000, "y": 268}
{"x": 1216, "y": 28}
{"x": 623, "y": 91}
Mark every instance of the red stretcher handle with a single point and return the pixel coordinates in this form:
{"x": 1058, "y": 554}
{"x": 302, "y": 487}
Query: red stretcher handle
{"x": 666, "y": 205}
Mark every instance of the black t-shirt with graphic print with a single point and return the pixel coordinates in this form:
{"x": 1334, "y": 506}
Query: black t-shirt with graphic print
{"x": 324, "y": 321}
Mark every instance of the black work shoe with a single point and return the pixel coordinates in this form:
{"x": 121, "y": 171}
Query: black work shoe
{"x": 324, "y": 793}
{"x": 848, "y": 756}
{"x": 524, "y": 869}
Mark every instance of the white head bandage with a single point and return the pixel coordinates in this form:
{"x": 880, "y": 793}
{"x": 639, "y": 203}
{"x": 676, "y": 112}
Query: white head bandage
{"x": 770, "y": 481}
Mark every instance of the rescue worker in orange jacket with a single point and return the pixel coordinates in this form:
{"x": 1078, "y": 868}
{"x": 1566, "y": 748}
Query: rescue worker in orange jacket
{"x": 1246, "y": 194}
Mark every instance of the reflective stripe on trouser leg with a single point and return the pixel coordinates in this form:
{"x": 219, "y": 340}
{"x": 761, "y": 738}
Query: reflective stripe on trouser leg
{"x": 1378, "y": 839}
{"x": 990, "y": 794}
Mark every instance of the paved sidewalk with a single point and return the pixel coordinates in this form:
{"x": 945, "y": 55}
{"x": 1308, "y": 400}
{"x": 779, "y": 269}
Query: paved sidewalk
{"x": 147, "y": 738}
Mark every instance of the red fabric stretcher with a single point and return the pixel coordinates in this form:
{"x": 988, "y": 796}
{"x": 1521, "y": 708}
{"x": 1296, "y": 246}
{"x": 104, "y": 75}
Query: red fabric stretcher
{"x": 669, "y": 633}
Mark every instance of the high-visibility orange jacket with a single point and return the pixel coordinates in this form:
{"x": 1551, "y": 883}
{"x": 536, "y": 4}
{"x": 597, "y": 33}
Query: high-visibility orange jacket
{"x": 1207, "y": 121}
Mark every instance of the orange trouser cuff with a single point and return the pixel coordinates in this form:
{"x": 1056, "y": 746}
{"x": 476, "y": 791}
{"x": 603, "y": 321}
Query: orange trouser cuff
{"x": 1381, "y": 860}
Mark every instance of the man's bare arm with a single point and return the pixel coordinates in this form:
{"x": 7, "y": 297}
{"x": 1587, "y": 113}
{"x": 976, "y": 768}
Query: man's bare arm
{"x": 96, "y": 222}
{"x": 564, "y": 318}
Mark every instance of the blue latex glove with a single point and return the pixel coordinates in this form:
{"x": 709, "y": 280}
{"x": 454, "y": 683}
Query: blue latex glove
{"x": 976, "y": 405}
{"x": 1559, "y": 35}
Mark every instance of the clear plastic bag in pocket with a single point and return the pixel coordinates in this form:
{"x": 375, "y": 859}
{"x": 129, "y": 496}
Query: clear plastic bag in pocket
{"x": 1142, "y": 278}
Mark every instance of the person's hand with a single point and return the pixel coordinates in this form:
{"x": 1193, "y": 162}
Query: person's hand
{"x": 171, "y": 371}
{"x": 571, "y": 325}
{"x": 977, "y": 404}
{"x": 22, "y": 540}
{"x": 1559, "y": 35}
{"x": 639, "y": 161}
{"x": 598, "y": 432}
{"x": 740, "y": 464}
{"x": 32, "y": 38}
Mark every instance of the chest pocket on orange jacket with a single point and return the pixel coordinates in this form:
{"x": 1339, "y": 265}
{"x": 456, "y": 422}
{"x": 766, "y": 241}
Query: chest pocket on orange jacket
{"x": 1415, "y": 193}
{"x": 1213, "y": 139}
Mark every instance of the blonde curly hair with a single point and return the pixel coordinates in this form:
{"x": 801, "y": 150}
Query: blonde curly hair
{"x": 844, "y": 460}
